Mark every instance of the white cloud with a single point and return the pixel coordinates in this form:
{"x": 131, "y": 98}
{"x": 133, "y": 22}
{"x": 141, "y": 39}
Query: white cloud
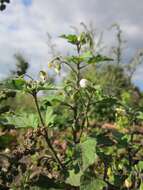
{"x": 24, "y": 28}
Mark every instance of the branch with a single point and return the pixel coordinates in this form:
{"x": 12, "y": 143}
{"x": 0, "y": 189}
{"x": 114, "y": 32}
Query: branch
{"x": 45, "y": 134}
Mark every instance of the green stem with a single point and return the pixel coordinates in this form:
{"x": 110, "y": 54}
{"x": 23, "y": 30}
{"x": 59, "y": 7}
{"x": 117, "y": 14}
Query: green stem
{"x": 75, "y": 111}
{"x": 53, "y": 150}
{"x": 38, "y": 109}
{"x": 46, "y": 136}
{"x": 85, "y": 119}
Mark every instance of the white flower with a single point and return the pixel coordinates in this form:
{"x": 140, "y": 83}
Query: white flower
{"x": 83, "y": 83}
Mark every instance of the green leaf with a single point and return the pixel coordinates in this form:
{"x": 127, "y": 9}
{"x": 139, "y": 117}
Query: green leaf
{"x": 141, "y": 186}
{"x": 87, "y": 55}
{"x": 93, "y": 184}
{"x": 89, "y": 58}
{"x": 50, "y": 116}
{"x": 88, "y": 151}
{"x": 82, "y": 38}
{"x": 16, "y": 84}
{"x": 52, "y": 100}
{"x": 98, "y": 58}
{"x": 71, "y": 38}
{"x": 45, "y": 86}
{"x": 74, "y": 178}
{"x": 140, "y": 116}
{"x": 140, "y": 166}
{"x": 75, "y": 59}
{"x": 24, "y": 120}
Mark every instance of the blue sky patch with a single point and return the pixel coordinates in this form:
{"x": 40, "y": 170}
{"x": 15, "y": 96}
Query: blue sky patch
{"x": 27, "y": 2}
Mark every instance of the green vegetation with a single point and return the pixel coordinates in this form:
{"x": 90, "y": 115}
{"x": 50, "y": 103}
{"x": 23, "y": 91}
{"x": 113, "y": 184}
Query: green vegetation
{"x": 85, "y": 134}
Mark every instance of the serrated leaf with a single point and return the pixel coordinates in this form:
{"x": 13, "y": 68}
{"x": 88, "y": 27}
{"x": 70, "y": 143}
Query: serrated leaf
{"x": 24, "y": 120}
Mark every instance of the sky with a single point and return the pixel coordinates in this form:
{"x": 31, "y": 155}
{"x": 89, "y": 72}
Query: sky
{"x": 25, "y": 24}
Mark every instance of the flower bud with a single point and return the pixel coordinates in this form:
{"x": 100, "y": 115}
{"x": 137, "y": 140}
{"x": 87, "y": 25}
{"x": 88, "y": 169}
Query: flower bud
{"x": 43, "y": 76}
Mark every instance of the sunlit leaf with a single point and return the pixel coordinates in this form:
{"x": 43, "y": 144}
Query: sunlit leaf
{"x": 74, "y": 178}
{"x": 71, "y": 38}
